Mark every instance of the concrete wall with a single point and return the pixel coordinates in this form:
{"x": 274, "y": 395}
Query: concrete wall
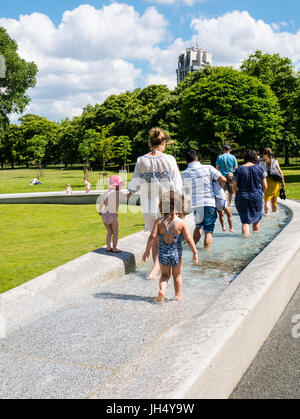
{"x": 77, "y": 198}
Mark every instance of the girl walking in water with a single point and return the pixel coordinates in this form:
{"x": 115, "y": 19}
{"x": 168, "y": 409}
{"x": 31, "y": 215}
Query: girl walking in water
{"x": 170, "y": 230}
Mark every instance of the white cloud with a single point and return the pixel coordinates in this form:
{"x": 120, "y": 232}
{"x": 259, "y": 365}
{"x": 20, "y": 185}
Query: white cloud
{"x": 87, "y": 57}
{"x": 235, "y": 35}
{"x": 171, "y": 2}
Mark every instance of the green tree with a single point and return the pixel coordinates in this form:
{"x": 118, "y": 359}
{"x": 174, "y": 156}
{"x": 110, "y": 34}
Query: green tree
{"x": 106, "y": 145}
{"x": 36, "y": 147}
{"x": 229, "y": 106}
{"x": 123, "y": 148}
{"x": 70, "y": 134}
{"x": 87, "y": 147}
{"x": 279, "y": 74}
{"x": 16, "y": 150}
{"x": 19, "y": 77}
{"x": 32, "y": 125}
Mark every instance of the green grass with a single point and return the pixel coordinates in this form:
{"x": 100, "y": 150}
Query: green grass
{"x": 17, "y": 180}
{"x": 292, "y": 180}
{"x": 38, "y": 238}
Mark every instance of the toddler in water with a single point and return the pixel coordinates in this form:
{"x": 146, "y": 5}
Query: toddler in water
{"x": 111, "y": 201}
{"x": 170, "y": 230}
{"x": 222, "y": 206}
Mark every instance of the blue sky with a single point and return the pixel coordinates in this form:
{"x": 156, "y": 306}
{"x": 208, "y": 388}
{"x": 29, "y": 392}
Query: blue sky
{"x": 88, "y": 50}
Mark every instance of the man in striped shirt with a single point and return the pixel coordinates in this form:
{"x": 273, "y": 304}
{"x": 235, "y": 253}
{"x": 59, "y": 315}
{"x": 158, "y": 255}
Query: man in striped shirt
{"x": 198, "y": 184}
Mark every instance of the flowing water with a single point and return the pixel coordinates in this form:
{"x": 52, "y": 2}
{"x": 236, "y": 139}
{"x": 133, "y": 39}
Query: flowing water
{"x": 217, "y": 267}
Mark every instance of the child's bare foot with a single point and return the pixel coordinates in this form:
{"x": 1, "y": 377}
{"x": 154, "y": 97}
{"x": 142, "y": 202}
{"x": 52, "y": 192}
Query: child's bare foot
{"x": 117, "y": 251}
{"x": 160, "y": 299}
{"x": 152, "y": 277}
{"x": 154, "y": 274}
{"x": 224, "y": 228}
{"x": 108, "y": 250}
{"x": 178, "y": 298}
{"x": 232, "y": 230}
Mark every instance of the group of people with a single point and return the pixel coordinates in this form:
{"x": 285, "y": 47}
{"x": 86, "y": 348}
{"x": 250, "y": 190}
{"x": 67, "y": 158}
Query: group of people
{"x": 163, "y": 193}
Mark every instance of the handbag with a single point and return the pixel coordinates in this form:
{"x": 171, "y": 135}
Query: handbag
{"x": 274, "y": 173}
{"x": 282, "y": 194}
{"x": 229, "y": 175}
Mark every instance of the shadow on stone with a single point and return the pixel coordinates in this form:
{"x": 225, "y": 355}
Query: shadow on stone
{"x": 126, "y": 257}
{"x": 124, "y": 297}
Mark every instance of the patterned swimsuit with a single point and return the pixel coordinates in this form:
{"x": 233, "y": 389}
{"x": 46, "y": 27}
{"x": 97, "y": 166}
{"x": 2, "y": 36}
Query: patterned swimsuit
{"x": 170, "y": 254}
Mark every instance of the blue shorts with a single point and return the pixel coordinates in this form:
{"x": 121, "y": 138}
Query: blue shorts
{"x": 205, "y": 218}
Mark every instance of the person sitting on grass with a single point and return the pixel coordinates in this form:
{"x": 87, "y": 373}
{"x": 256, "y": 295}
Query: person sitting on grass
{"x": 35, "y": 181}
{"x": 111, "y": 201}
{"x": 170, "y": 230}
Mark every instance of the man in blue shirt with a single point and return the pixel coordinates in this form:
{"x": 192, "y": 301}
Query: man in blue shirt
{"x": 227, "y": 165}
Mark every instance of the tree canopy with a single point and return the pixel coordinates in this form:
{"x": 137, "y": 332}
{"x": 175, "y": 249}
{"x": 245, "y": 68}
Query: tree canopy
{"x": 278, "y": 73}
{"x": 19, "y": 77}
{"x": 229, "y": 106}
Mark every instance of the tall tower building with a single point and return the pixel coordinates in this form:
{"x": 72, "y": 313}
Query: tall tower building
{"x": 193, "y": 59}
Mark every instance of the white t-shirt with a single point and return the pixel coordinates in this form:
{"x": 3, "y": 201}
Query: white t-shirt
{"x": 152, "y": 176}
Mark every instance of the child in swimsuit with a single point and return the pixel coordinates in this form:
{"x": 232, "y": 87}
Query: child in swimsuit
{"x": 88, "y": 185}
{"x": 69, "y": 189}
{"x": 221, "y": 206}
{"x": 111, "y": 201}
{"x": 170, "y": 230}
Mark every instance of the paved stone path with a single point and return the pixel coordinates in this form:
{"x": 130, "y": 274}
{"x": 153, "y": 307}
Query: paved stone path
{"x": 73, "y": 352}
{"x": 275, "y": 372}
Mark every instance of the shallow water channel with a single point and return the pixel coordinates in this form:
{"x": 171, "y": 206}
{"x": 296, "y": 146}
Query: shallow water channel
{"x": 219, "y": 266}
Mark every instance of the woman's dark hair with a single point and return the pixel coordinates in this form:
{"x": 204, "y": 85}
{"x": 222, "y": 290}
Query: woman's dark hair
{"x": 191, "y": 156}
{"x": 250, "y": 156}
{"x": 227, "y": 147}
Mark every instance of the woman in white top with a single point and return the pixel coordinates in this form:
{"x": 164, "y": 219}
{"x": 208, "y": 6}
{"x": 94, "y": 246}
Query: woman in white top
{"x": 154, "y": 174}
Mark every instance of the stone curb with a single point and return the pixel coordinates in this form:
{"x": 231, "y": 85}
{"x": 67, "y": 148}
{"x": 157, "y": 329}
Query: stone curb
{"x": 206, "y": 357}
{"x": 77, "y": 198}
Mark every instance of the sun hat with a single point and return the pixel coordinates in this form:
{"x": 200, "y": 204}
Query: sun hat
{"x": 115, "y": 181}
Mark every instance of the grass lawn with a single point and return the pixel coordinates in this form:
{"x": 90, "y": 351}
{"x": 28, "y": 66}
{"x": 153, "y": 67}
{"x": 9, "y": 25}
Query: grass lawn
{"x": 292, "y": 179}
{"x": 54, "y": 180}
{"x": 38, "y": 238}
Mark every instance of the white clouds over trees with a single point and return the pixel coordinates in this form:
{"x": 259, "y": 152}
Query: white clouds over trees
{"x": 93, "y": 53}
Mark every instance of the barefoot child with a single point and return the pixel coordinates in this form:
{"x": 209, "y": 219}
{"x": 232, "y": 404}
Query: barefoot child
{"x": 170, "y": 230}
{"x": 222, "y": 206}
{"x": 111, "y": 201}
{"x": 88, "y": 185}
{"x": 68, "y": 189}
